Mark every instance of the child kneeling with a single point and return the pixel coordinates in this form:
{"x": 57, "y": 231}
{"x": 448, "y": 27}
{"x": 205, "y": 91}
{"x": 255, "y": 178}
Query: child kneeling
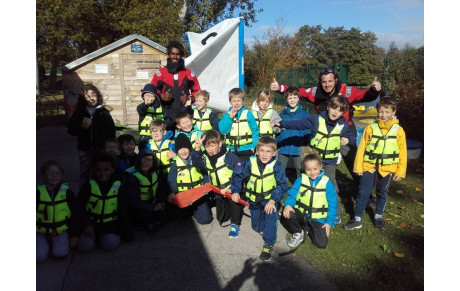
{"x": 313, "y": 202}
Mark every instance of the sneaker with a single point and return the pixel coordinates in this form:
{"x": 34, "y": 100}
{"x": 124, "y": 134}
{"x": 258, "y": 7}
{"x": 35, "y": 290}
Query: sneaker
{"x": 352, "y": 224}
{"x": 234, "y": 231}
{"x": 296, "y": 239}
{"x": 379, "y": 223}
{"x": 338, "y": 220}
{"x": 266, "y": 253}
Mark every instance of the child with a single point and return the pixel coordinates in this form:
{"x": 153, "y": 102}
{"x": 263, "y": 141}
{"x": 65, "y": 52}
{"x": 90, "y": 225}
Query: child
{"x": 265, "y": 188}
{"x": 185, "y": 126}
{"x": 263, "y": 112}
{"x": 290, "y": 140}
{"x": 330, "y": 130}
{"x": 239, "y": 126}
{"x": 204, "y": 117}
{"x": 381, "y": 157}
{"x": 220, "y": 164}
{"x": 184, "y": 175}
{"x": 145, "y": 191}
{"x": 313, "y": 202}
{"x": 55, "y": 207}
{"x": 127, "y": 157}
{"x": 100, "y": 202}
{"x": 93, "y": 124}
{"x": 149, "y": 110}
{"x": 112, "y": 148}
{"x": 161, "y": 146}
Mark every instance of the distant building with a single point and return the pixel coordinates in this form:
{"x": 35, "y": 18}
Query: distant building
{"x": 119, "y": 70}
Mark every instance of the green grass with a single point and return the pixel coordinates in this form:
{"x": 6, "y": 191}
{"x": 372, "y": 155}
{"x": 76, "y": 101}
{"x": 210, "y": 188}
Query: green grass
{"x": 367, "y": 258}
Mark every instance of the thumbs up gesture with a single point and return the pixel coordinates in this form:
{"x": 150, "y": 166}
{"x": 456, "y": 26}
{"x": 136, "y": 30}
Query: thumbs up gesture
{"x": 274, "y": 85}
{"x": 376, "y": 84}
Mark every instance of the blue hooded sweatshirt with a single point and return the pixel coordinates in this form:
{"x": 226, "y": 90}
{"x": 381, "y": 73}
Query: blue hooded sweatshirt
{"x": 290, "y": 140}
{"x": 225, "y": 126}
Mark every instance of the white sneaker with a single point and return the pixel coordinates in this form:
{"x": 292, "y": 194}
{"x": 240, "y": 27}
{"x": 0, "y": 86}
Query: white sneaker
{"x": 296, "y": 239}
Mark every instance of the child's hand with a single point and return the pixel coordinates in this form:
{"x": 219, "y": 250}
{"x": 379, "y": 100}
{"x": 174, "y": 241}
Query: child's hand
{"x": 344, "y": 140}
{"x": 275, "y": 124}
{"x": 270, "y": 207}
{"x": 188, "y": 102}
{"x": 199, "y": 142}
{"x": 149, "y": 99}
{"x": 287, "y": 210}
{"x": 86, "y": 122}
{"x": 224, "y": 191}
{"x": 328, "y": 229}
{"x": 159, "y": 206}
{"x": 396, "y": 178}
{"x": 167, "y": 96}
{"x": 89, "y": 231}
{"x": 235, "y": 197}
{"x": 170, "y": 154}
{"x": 359, "y": 173}
{"x": 170, "y": 198}
{"x": 274, "y": 85}
{"x": 73, "y": 243}
{"x": 233, "y": 112}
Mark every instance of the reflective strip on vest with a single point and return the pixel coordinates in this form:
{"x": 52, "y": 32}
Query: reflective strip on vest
{"x": 312, "y": 200}
{"x": 148, "y": 189}
{"x": 53, "y": 215}
{"x": 220, "y": 174}
{"x": 157, "y": 113}
{"x": 241, "y": 133}
{"x": 103, "y": 208}
{"x": 188, "y": 176}
{"x": 327, "y": 144}
{"x": 162, "y": 155}
{"x": 382, "y": 149}
{"x": 261, "y": 186}
{"x": 264, "y": 123}
{"x": 202, "y": 122}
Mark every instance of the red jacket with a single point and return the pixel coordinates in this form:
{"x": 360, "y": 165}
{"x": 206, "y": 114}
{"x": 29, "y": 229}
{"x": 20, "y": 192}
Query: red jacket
{"x": 185, "y": 81}
{"x": 354, "y": 95}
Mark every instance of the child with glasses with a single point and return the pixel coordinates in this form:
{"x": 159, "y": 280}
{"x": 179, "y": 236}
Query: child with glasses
{"x": 55, "y": 204}
{"x": 161, "y": 146}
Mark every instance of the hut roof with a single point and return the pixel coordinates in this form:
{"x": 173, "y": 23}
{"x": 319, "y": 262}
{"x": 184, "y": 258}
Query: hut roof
{"x": 111, "y": 47}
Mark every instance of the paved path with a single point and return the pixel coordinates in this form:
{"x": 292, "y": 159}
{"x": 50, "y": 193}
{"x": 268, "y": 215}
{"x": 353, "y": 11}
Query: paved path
{"x": 183, "y": 255}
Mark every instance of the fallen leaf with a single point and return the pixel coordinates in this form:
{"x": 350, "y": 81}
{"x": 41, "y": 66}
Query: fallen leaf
{"x": 391, "y": 202}
{"x": 294, "y": 254}
{"x": 399, "y": 192}
{"x": 388, "y": 219}
{"x": 399, "y": 255}
{"x": 420, "y": 203}
{"x": 418, "y": 189}
{"x": 402, "y": 207}
{"x": 395, "y": 215}
{"x": 401, "y": 225}
{"x": 422, "y": 216}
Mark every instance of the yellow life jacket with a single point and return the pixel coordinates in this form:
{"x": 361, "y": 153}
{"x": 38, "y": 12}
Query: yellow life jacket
{"x": 264, "y": 122}
{"x": 219, "y": 174}
{"x": 382, "y": 149}
{"x": 148, "y": 189}
{"x": 260, "y": 186}
{"x": 202, "y": 122}
{"x": 103, "y": 208}
{"x": 53, "y": 215}
{"x": 241, "y": 133}
{"x": 312, "y": 200}
{"x": 188, "y": 176}
{"x": 152, "y": 113}
{"x": 162, "y": 155}
{"x": 327, "y": 144}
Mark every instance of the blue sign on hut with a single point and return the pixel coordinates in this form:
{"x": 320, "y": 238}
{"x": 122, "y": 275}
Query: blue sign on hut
{"x": 119, "y": 70}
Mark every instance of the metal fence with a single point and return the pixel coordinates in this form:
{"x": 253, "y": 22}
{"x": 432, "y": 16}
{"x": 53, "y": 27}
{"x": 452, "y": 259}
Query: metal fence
{"x": 50, "y": 108}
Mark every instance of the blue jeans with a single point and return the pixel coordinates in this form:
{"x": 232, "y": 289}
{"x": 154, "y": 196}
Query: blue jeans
{"x": 263, "y": 222}
{"x": 59, "y": 246}
{"x": 365, "y": 188}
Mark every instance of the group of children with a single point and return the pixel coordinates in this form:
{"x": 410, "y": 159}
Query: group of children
{"x": 245, "y": 153}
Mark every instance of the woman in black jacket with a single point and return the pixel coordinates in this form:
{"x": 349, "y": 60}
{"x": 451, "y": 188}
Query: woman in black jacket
{"x": 92, "y": 124}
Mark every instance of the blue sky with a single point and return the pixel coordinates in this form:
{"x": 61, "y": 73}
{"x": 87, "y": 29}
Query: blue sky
{"x": 401, "y": 21}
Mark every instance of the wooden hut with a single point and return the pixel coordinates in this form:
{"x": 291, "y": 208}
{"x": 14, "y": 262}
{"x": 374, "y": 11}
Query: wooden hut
{"x": 119, "y": 70}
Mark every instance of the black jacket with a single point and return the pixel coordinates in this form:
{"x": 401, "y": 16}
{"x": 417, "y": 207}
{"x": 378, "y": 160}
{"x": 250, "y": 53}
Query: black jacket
{"x": 93, "y": 138}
